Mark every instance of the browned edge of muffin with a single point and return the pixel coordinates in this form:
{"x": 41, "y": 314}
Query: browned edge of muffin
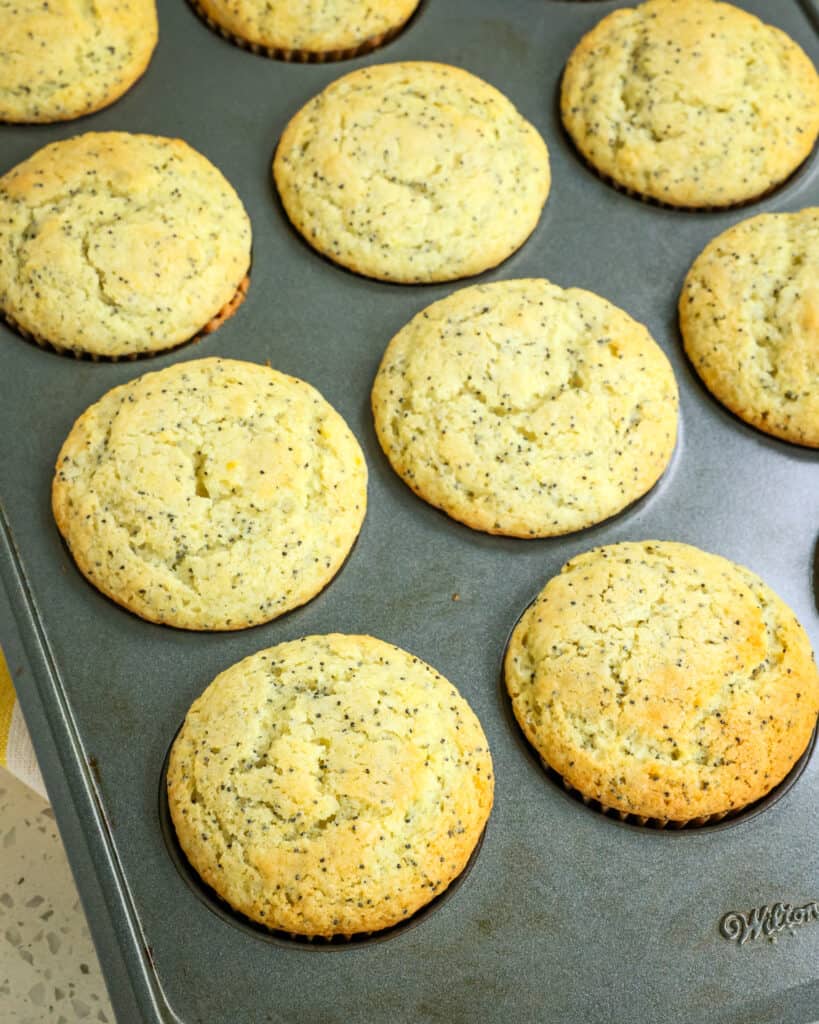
{"x": 617, "y": 814}
{"x": 340, "y": 940}
{"x": 220, "y": 906}
{"x": 691, "y": 824}
{"x": 225, "y": 313}
{"x": 296, "y": 56}
{"x": 659, "y": 203}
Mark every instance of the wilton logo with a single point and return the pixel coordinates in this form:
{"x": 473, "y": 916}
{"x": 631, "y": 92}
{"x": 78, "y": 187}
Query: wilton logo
{"x": 767, "y": 922}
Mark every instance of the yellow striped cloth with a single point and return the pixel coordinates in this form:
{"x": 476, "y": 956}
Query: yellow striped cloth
{"x": 16, "y": 751}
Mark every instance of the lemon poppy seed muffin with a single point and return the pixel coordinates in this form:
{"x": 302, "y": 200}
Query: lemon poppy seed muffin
{"x": 113, "y": 244}
{"x": 61, "y": 59}
{"x": 412, "y": 172}
{"x": 308, "y": 30}
{"x": 331, "y": 785}
{"x": 693, "y": 103}
{"x": 749, "y": 316}
{"x": 663, "y": 681}
{"x": 214, "y": 494}
{"x": 526, "y": 409}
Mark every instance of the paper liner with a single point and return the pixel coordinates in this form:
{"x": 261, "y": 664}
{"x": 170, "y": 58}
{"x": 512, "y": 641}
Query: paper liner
{"x": 653, "y": 201}
{"x": 225, "y": 313}
{"x": 640, "y": 820}
{"x": 296, "y": 56}
{"x": 730, "y": 817}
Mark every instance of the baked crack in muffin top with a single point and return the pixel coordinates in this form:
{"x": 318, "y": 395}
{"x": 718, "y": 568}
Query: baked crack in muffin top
{"x": 114, "y": 244}
{"x": 412, "y": 172}
{"x": 526, "y": 409}
{"x": 663, "y": 681}
{"x": 694, "y": 103}
{"x": 749, "y": 316}
{"x": 61, "y": 59}
{"x": 214, "y": 494}
{"x": 331, "y": 785}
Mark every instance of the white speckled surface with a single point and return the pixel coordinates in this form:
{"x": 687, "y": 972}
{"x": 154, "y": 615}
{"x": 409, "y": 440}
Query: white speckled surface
{"x": 48, "y": 968}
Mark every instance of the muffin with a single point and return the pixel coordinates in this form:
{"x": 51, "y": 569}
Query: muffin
{"x": 61, "y": 60}
{"x": 749, "y": 316}
{"x": 526, "y": 409}
{"x": 412, "y": 172}
{"x": 332, "y": 785}
{"x": 692, "y": 103}
{"x": 315, "y": 30}
{"x": 664, "y": 682}
{"x": 114, "y": 244}
{"x": 214, "y": 494}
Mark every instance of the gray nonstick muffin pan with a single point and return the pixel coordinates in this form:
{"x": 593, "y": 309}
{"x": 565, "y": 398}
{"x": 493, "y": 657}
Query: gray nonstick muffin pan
{"x": 566, "y": 915}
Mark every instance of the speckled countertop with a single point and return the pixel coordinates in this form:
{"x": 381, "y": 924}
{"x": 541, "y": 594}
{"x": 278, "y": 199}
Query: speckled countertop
{"x": 48, "y": 968}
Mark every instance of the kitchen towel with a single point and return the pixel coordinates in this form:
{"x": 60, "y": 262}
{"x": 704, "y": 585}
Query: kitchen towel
{"x": 16, "y": 752}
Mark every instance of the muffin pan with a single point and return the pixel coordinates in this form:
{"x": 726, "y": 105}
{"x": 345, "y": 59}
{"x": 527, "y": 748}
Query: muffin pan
{"x": 564, "y": 916}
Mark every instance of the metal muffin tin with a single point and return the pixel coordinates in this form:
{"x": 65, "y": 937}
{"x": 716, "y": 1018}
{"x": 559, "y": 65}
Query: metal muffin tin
{"x": 565, "y": 917}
